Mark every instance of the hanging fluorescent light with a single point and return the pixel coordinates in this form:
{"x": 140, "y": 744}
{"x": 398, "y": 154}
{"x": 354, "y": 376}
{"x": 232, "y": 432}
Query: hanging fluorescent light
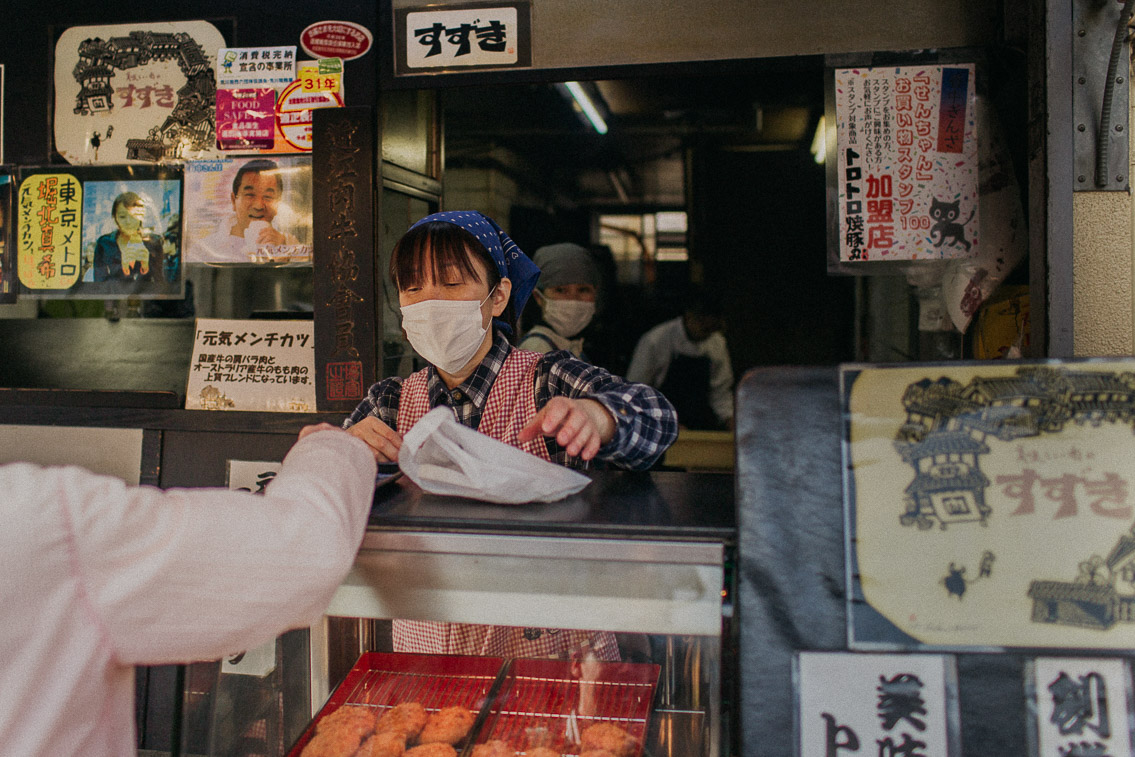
{"x": 819, "y": 148}
{"x": 588, "y": 107}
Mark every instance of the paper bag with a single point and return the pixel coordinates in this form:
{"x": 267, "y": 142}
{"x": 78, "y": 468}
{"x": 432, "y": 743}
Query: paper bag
{"x": 444, "y": 457}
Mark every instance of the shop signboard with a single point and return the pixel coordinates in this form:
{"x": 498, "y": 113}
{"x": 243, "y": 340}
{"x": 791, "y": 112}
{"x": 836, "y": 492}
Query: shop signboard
{"x": 346, "y": 275}
{"x": 264, "y": 365}
{"x": 989, "y": 505}
{"x": 1080, "y": 706}
{"x": 251, "y": 476}
{"x": 906, "y": 163}
{"x": 430, "y": 39}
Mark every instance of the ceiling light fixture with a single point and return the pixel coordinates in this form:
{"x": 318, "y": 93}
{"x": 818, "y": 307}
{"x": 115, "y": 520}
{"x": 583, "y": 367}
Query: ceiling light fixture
{"x": 587, "y": 106}
{"x": 819, "y": 148}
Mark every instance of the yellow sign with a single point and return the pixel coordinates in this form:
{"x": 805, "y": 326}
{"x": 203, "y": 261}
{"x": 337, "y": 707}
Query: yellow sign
{"x": 50, "y": 231}
{"x": 992, "y": 502}
{"x": 322, "y": 78}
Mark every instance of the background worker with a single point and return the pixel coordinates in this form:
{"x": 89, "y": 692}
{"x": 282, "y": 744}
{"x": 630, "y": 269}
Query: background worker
{"x": 687, "y": 359}
{"x": 565, "y": 299}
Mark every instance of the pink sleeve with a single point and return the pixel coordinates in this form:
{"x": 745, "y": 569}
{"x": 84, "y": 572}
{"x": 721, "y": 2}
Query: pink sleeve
{"x": 195, "y": 574}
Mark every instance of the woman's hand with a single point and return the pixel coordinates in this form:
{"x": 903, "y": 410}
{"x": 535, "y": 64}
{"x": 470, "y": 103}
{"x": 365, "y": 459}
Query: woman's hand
{"x": 580, "y": 426}
{"x": 383, "y": 441}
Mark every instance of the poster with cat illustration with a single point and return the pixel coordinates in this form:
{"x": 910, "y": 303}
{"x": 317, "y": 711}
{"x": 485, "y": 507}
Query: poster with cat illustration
{"x": 906, "y": 163}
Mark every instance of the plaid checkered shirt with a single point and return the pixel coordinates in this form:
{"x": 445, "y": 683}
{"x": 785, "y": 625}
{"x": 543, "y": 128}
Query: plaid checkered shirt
{"x": 645, "y": 421}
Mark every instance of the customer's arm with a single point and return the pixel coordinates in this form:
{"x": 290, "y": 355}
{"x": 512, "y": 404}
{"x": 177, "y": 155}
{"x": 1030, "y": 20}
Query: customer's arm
{"x": 190, "y": 574}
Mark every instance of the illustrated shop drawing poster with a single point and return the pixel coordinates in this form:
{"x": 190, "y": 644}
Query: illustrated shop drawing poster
{"x": 906, "y": 143}
{"x": 991, "y": 504}
{"x": 143, "y": 92}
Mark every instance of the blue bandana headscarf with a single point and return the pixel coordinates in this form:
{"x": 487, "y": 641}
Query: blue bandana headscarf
{"x": 511, "y": 261}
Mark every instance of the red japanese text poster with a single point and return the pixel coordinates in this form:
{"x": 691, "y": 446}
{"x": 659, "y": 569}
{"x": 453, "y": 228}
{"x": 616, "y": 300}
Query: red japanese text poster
{"x": 907, "y": 172}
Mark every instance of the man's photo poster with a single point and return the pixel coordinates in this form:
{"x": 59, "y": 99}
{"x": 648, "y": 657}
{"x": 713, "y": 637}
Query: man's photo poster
{"x": 248, "y": 211}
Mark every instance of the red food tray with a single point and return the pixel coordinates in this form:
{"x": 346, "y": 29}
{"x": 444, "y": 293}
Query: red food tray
{"x": 550, "y": 702}
{"x": 383, "y": 680}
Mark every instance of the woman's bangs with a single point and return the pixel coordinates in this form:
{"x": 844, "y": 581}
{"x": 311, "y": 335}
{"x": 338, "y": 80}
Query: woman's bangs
{"x": 426, "y": 251}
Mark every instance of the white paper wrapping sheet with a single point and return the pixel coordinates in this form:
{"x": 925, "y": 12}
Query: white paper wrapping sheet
{"x": 444, "y": 457}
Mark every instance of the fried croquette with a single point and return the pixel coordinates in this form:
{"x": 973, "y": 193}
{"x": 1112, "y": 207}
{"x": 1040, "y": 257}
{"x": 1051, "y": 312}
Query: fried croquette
{"x": 352, "y": 718}
{"x": 385, "y": 744}
{"x": 334, "y": 742}
{"x": 436, "y": 749}
{"x": 610, "y": 737}
{"x": 495, "y": 748}
{"x": 407, "y": 719}
{"x": 339, "y": 733}
{"x": 596, "y": 753}
{"x": 447, "y": 726}
{"x": 540, "y": 751}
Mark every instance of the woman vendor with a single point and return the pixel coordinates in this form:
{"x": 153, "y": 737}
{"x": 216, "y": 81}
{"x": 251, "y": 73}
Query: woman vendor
{"x": 461, "y": 282}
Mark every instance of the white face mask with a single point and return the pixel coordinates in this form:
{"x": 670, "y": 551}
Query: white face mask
{"x": 447, "y": 333}
{"x": 568, "y": 317}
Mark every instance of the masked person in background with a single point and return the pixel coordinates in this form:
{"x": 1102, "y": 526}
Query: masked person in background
{"x": 461, "y": 281}
{"x": 688, "y": 360}
{"x": 566, "y": 294}
{"x": 129, "y": 253}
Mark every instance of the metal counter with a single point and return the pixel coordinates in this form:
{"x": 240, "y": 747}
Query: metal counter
{"x": 667, "y": 505}
{"x": 641, "y": 552}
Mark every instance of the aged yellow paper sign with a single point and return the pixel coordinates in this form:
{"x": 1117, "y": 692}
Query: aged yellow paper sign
{"x": 991, "y": 504}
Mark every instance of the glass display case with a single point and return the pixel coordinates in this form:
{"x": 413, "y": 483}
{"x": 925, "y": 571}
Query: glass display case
{"x": 645, "y": 558}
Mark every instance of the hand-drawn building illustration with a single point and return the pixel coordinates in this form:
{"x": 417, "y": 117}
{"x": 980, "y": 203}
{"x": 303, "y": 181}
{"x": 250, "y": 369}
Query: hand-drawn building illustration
{"x": 947, "y": 425}
{"x": 947, "y": 429}
{"x": 1094, "y": 599}
{"x": 192, "y": 122}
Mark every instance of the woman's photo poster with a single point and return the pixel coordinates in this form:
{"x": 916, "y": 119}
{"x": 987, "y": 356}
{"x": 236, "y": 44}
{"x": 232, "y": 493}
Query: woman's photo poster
{"x": 100, "y": 232}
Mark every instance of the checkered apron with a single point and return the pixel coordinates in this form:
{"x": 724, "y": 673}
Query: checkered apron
{"x": 510, "y": 405}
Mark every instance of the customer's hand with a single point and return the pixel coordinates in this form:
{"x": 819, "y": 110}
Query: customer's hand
{"x": 317, "y": 427}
